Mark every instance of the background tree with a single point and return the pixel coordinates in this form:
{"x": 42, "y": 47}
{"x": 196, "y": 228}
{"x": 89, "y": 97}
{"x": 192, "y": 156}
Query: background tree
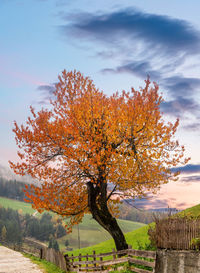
{"x": 89, "y": 147}
{"x": 3, "y": 234}
{"x": 66, "y": 243}
{"x": 53, "y": 243}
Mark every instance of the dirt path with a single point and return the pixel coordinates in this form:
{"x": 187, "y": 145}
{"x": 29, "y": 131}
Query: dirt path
{"x": 14, "y": 262}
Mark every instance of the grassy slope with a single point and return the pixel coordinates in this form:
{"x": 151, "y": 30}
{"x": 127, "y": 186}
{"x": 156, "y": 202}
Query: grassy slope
{"x": 133, "y": 237}
{"x": 90, "y": 231}
{"x": 193, "y": 211}
{"x": 16, "y": 205}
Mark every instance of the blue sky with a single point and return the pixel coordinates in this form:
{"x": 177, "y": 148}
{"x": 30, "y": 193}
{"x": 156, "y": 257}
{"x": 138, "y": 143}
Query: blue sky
{"x": 116, "y": 43}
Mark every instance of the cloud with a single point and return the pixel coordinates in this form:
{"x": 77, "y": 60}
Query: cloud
{"x": 188, "y": 169}
{"x": 47, "y": 92}
{"x": 181, "y": 86}
{"x": 50, "y": 89}
{"x": 149, "y": 202}
{"x": 182, "y": 205}
{"x": 193, "y": 127}
{"x": 193, "y": 178}
{"x": 163, "y": 32}
{"x": 138, "y": 68}
{"x": 179, "y": 106}
{"x": 8, "y": 174}
{"x": 144, "y": 44}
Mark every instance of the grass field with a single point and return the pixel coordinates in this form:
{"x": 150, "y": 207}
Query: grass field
{"x": 16, "y": 205}
{"x": 91, "y": 232}
{"x": 135, "y": 238}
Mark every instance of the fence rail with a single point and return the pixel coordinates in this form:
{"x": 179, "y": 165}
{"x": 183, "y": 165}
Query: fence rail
{"x": 95, "y": 263}
{"x": 138, "y": 261}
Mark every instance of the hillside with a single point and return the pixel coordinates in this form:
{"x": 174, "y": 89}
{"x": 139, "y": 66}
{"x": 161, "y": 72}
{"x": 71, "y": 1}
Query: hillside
{"x": 8, "y": 174}
{"x": 136, "y": 238}
{"x": 22, "y": 207}
{"x": 90, "y": 231}
{"x": 193, "y": 211}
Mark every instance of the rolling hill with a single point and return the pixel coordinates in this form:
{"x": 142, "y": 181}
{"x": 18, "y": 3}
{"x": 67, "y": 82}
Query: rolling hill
{"x": 136, "y": 238}
{"x": 90, "y": 231}
{"x": 92, "y": 236}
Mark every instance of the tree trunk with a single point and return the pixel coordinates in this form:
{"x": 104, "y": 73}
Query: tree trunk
{"x": 97, "y": 202}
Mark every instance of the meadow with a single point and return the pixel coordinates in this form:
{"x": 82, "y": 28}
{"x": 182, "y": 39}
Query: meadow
{"x": 21, "y": 207}
{"x": 92, "y": 236}
{"x": 136, "y": 238}
{"x": 91, "y": 233}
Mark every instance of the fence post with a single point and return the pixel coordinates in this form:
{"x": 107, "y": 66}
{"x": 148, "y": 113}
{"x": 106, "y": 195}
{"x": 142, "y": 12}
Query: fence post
{"x": 79, "y": 259}
{"x": 67, "y": 261}
{"x": 87, "y": 261}
{"x": 129, "y": 256}
{"x": 101, "y": 260}
{"x": 114, "y": 255}
{"x": 72, "y": 261}
{"x": 94, "y": 257}
{"x": 41, "y": 252}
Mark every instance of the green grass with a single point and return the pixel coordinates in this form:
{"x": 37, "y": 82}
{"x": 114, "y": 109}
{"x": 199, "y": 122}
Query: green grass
{"x": 47, "y": 267}
{"x": 91, "y": 233}
{"x": 16, "y": 205}
{"x": 139, "y": 235}
{"x": 193, "y": 211}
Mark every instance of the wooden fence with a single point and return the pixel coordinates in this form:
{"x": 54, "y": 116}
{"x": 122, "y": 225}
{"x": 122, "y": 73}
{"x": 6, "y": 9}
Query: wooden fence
{"x": 104, "y": 262}
{"x": 32, "y": 246}
{"x": 53, "y": 256}
{"x": 176, "y": 233}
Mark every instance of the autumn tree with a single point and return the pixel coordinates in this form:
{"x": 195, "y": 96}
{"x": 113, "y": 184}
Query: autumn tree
{"x": 88, "y": 150}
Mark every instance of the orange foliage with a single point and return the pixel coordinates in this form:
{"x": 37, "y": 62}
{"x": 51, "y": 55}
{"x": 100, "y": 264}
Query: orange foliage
{"x": 87, "y": 136}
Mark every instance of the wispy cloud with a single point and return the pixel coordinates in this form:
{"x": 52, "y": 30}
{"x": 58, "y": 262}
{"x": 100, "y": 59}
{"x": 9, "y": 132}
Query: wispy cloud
{"x": 181, "y": 86}
{"x": 195, "y": 127}
{"x": 47, "y": 92}
{"x": 187, "y": 169}
{"x": 144, "y": 44}
{"x": 191, "y": 178}
{"x": 180, "y": 105}
{"x": 164, "y": 32}
{"x": 138, "y": 68}
{"x": 148, "y": 203}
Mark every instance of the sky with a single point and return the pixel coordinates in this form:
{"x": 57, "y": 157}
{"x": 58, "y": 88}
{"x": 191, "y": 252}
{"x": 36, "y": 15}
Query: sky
{"x": 117, "y": 44}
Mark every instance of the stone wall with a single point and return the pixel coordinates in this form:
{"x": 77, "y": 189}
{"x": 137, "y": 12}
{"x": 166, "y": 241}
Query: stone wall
{"x": 177, "y": 261}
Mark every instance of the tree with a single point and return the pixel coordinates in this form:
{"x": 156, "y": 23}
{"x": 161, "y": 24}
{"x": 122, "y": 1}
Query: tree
{"x": 89, "y": 147}
{"x": 66, "y": 243}
{"x": 53, "y": 243}
{"x": 3, "y": 234}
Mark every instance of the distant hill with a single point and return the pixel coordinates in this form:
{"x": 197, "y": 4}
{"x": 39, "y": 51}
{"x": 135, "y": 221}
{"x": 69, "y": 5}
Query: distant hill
{"x": 8, "y": 174}
{"x": 165, "y": 210}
